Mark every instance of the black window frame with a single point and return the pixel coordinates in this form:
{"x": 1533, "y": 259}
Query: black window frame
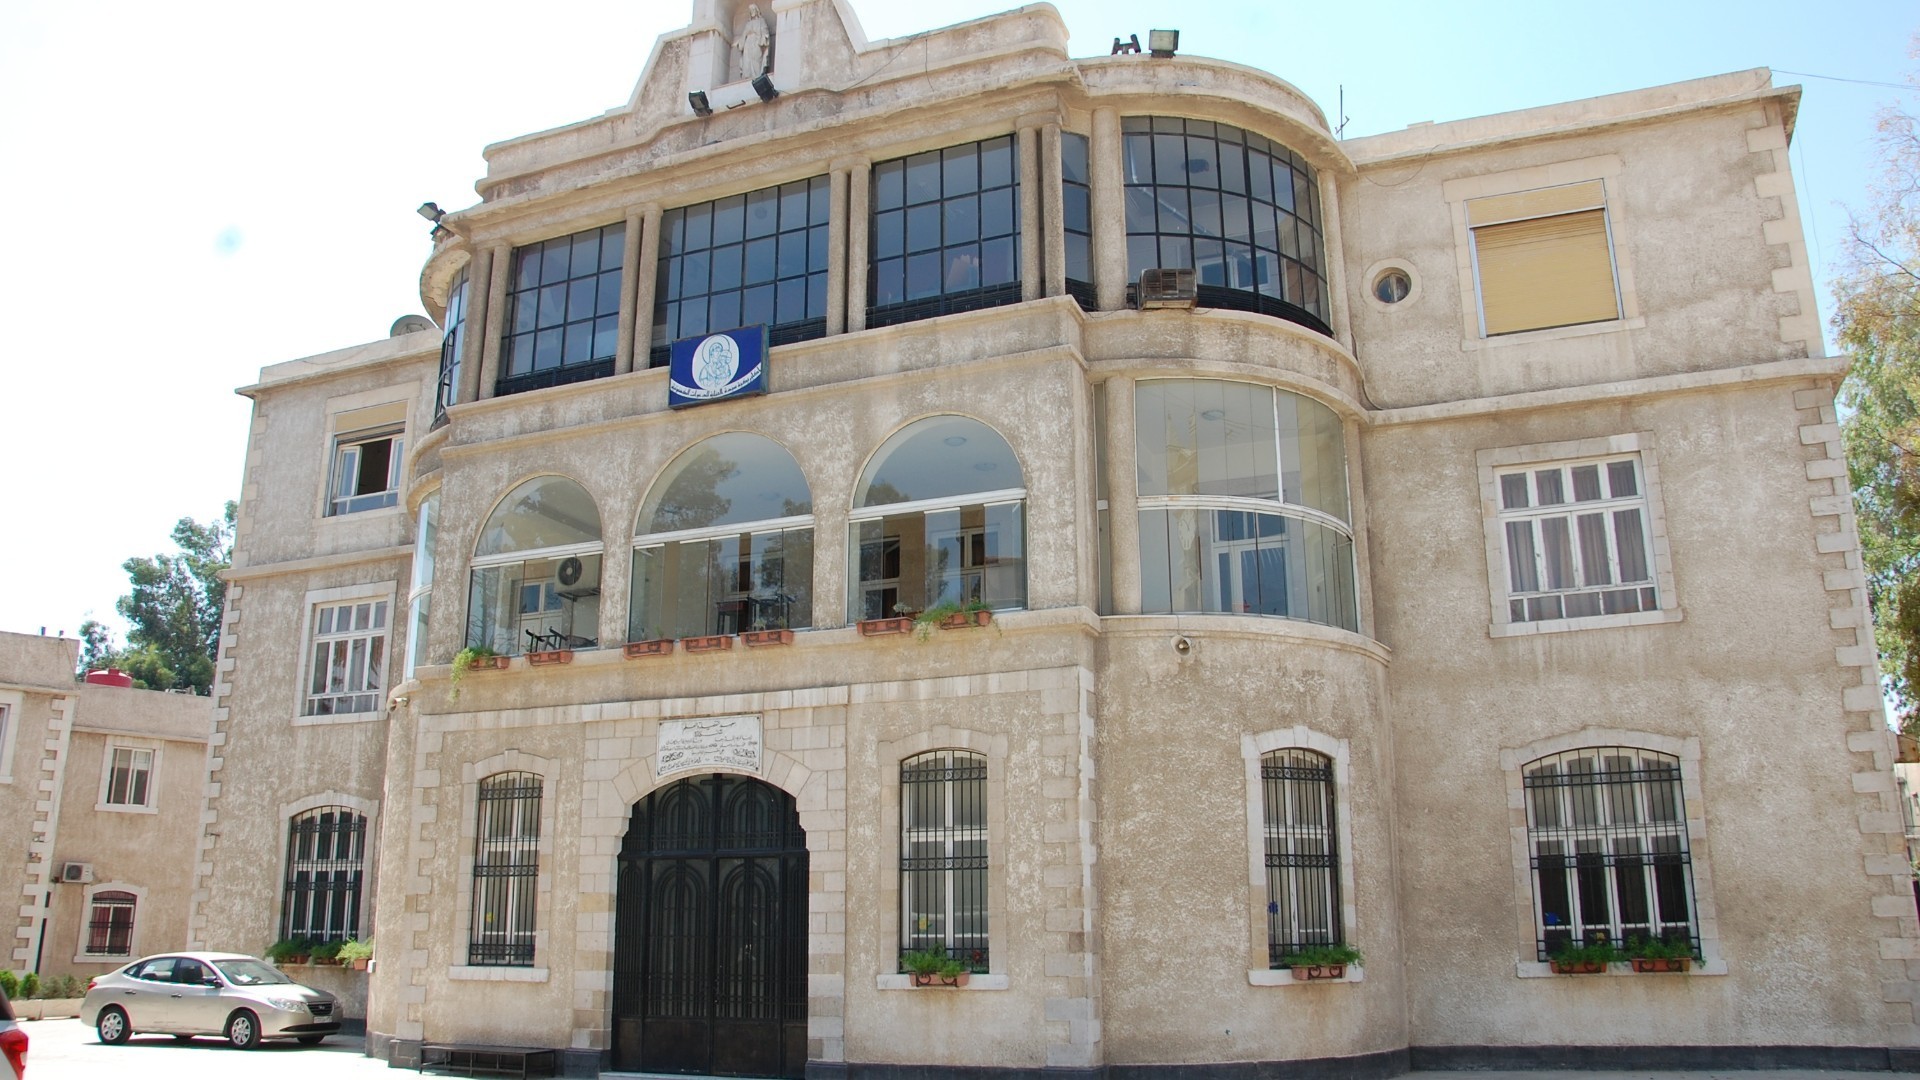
{"x": 917, "y": 211}
{"x": 322, "y": 890}
{"x": 447, "y": 388}
{"x": 548, "y": 294}
{"x": 961, "y": 779}
{"x": 1167, "y": 185}
{"x": 1295, "y": 784}
{"x": 506, "y": 870}
{"x": 1076, "y": 216}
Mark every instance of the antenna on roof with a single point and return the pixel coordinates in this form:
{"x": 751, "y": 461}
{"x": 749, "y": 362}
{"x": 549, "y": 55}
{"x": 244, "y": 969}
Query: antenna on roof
{"x": 1340, "y": 129}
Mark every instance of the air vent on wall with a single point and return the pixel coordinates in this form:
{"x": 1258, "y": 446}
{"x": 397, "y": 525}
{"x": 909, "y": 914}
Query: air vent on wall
{"x": 1166, "y": 288}
{"x": 76, "y": 873}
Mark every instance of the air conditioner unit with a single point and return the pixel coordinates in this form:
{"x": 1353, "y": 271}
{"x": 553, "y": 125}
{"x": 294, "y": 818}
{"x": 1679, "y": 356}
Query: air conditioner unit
{"x": 1166, "y": 287}
{"x": 76, "y": 873}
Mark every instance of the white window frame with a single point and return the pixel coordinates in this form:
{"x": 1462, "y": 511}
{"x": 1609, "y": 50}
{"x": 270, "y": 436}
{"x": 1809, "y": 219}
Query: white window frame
{"x": 11, "y": 702}
{"x": 383, "y": 592}
{"x": 80, "y": 953}
{"x": 1494, "y": 463}
{"x": 1513, "y": 763}
{"x": 420, "y": 595}
{"x": 344, "y": 473}
{"x": 1254, "y": 747}
{"x": 470, "y": 777}
{"x": 134, "y": 747}
{"x": 355, "y": 419}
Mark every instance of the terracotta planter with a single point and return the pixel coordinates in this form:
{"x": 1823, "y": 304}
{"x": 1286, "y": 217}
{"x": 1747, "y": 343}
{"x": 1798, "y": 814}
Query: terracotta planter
{"x": 758, "y": 638}
{"x": 961, "y": 619}
{"x": 294, "y": 960}
{"x": 655, "y": 647}
{"x": 1646, "y": 965}
{"x": 934, "y": 980}
{"x": 1314, "y": 972}
{"x": 709, "y": 643}
{"x": 551, "y": 656}
{"x": 490, "y": 663}
{"x": 1582, "y": 968}
{"x": 901, "y": 624}
{"x": 361, "y": 963}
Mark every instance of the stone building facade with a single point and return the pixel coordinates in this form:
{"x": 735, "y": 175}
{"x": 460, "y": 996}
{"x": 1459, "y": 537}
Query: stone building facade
{"x": 103, "y": 785}
{"x": 1435, "y": 543}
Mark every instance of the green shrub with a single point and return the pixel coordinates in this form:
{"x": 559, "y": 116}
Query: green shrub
{"x": 10, "y": 983}
{"x": 1598, "y": 952}
{"x": 1656, "y": 949}
{"x": 351, "y": 950}
{"x": 1323, "y": 956}
{"x": 30, "y": 986}
{"x": 287, "y": 948}
{"x": 326, "y": 950}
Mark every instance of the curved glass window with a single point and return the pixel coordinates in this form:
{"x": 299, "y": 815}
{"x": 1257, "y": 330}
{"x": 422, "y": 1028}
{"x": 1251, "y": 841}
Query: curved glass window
{"x": 1241, "y": 210}
{"x": 536, "y": 571}
{"x": 939, "y": 516}
{"x": 1243, "y": 502}
{"x": 563, "y": 310}
{"x": 724, "y": 544}
{"x": 945, "y": 232}
{"x": 449, "y": 386}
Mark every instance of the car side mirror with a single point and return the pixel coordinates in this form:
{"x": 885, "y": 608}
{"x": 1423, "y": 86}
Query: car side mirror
{"x": 210, "y": 980}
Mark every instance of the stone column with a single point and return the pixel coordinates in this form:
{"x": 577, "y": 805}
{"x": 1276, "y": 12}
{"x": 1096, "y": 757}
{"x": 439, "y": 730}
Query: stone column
{"x": 473, "y": 328}
{"x": 1031, "y": 226}
{"x": 1053, "y": 212}
{"x": 645, "y": 283}
{"x": 859, "y": 189}
{"x": 837, "y": 184}
{"x": 496, "y": 321}
{"x": 629, "y": 262}
{"x": 1339, "y": 316}
{"x": 1109, "y": 214}
{"x": 1123, "y": 496}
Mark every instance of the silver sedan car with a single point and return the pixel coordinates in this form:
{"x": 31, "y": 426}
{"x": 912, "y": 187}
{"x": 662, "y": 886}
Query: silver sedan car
{"x": 243, "y": 999}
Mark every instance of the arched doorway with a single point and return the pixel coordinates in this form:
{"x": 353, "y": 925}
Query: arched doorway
{"x": 710, "y": 934}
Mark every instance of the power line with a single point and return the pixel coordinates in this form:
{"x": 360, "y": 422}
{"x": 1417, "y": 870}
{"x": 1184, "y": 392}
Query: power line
{"x": 1836, "y": 78}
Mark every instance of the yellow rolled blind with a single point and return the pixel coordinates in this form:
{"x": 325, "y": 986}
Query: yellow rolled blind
{"x": 393, "y": 412}
{"x": 1540, "y": 202}
{"x": 1544, "y": 272}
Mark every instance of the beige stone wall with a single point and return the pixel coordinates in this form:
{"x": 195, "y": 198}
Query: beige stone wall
{"x": 37, "y": 692}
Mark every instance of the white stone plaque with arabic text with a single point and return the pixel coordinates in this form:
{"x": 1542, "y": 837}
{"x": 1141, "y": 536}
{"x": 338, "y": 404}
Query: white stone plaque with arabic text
{"x": 714, "y": 742}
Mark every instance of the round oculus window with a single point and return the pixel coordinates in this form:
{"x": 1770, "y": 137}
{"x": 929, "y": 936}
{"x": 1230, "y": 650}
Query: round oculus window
{"x": 1392, "y": 286}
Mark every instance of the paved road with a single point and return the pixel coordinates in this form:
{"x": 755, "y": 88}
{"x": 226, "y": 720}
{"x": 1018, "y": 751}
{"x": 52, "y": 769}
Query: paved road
{"x": 69, "y": 1050}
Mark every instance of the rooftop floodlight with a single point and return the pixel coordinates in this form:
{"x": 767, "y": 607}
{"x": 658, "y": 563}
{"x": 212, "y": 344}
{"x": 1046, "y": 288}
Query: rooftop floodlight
{"x": 1163, "y": 43}
{"x": 431, "y": 211}
{"x": 764, "y": 87}
{"x": 1130, "y": 45}
{"x": 698, "y": 99}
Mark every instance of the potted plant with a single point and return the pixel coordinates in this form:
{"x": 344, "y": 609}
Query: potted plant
{"x": 649, "y": 647}
{"x": 933, "y": 967}
{"x": 293, "y": 950}
{"x": 1655, "y": 955}
{"x": 326, "y": 953}
{"x": 473, "y": 656}
{"x": 707, "y": 643}
{"x": 900, "y": 623}
{"x": 762, "y": 635}
{"x": 1322, "y": 961}
{"x": 1589, "y": 959}
{"x": 355, "y": 954}
{"x": 951, "y": 615}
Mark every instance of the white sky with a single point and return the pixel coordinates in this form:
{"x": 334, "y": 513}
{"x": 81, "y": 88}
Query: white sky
{"x": 197, "y": 190}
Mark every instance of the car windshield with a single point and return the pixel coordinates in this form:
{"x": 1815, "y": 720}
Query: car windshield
{"x": 249, "y": 972}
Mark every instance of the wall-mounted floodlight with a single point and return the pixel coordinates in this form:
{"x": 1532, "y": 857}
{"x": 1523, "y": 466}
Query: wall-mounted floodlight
{"x": 431, "y": 211}
{"x": 764, "y": 87}
{"x": 1163, "y": 43}
{"x": 1121, "y": 48}
{"x": 698, "y": 99}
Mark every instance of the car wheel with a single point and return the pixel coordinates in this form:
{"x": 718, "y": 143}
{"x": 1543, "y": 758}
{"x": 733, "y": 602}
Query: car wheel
{"x": 113, "y": 1026}
{"x": 243, "y": 1030}
{"x": 311, "y": 1040}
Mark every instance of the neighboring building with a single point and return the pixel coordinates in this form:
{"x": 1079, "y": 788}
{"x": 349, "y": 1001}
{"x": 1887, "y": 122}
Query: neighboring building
{"x": 105, "y": 784}
{"x": 1470, "y": 573}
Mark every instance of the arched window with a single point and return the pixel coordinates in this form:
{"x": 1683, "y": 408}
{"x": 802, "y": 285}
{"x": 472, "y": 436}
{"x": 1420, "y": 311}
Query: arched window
{"x": 110, "y": 924}
{"x": 1243, "y": 502}
{"x": 938, "y": 518}
{"x": 724, "y": 544}
{"x": 1302, "y": 853}
{"x": 326, "y": 858}
{"x": 536, "y": 571}
{"x": 943, "y": 855}
{"x": 506, "y": 870}
{"x": 1241, "y": 210}
{"x": 1607, "y": 829}
{"x": 448, "y": 387}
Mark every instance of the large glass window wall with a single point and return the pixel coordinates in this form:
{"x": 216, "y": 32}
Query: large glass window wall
{"x": 563, "y": 310}
{"x": 745, "y": 260}
{"x": 536, "y": 571}
{"x": 448, "y": 389}
{"x": 945, "y": 232}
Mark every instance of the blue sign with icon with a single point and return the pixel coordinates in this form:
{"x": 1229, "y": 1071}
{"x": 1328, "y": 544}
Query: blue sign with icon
{"x": 715, "y": 367}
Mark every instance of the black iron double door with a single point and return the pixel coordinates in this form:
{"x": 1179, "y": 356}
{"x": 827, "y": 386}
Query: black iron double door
{"x": 710, "y": 935}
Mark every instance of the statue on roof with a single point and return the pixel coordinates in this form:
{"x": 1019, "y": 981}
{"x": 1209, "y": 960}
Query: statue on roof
{"x": 751, "y": 48}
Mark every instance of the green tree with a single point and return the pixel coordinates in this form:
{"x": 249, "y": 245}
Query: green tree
{"x": 1877, "y": 320}
{"x": 173, "y": 612}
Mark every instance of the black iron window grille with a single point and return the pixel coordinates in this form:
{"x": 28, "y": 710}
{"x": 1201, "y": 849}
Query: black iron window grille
{"x": 563, "y": 310}
{"x": 1607, "y": 828}
{"x": 943, "y": 855}
{"x": 1302, "y": 853}
{"x": 110, "y": 927}
{"x": 326, "y": 859}
{"x": 1241, "y": 210}
{"x": 506, "y": 871}
{"x": 448, "y": 392}
{"x": 745, "y": 260}
{"x": 945, "y": 232}
{"x": 1076, "y": 217}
